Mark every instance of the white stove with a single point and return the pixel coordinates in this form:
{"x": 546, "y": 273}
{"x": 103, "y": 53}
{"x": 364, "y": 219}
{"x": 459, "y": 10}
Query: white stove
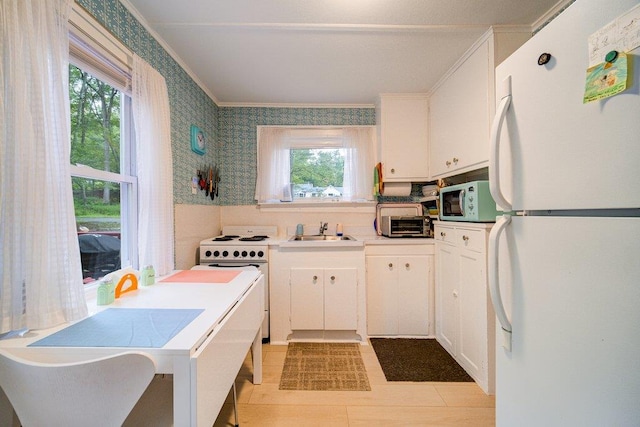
{"x": 238, "y": 243}
{"x": 241, "y": 247}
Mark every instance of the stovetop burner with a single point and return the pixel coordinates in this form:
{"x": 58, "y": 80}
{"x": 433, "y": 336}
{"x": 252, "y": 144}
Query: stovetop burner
{"x": 253, "y": 238}
{"x": 228, "y": 237}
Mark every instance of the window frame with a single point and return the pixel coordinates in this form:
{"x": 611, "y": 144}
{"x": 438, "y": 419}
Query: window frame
{"x": 93, "y": 49}
{"x": 309, "y": 137}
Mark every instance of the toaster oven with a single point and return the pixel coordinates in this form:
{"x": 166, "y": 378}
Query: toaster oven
{"x": 406, "y": 226}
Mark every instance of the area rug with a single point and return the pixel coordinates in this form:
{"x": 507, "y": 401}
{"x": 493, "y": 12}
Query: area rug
{"x": 324, "y": 366}
{"x": 407, "y": 359}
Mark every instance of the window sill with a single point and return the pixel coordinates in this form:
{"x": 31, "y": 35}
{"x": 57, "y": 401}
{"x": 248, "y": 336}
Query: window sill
{"x": 369, "y": 206}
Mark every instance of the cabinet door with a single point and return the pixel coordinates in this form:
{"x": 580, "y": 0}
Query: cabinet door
{"x": 413, "y": 294}
{"x": 404, "y": 135}
{"x": 382, "y": 295}
{"x": 472, "y": 344}
{"x": 446, "y": 296}
{"x": 307, "y": 298}
{"x": 340, "y": 299}
{"x": 459, "y": 116}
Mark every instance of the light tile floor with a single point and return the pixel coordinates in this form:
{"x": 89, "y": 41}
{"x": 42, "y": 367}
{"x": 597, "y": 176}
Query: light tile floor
{"x": 387, "y": 404}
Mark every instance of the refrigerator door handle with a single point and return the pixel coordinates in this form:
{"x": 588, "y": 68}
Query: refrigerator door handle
{"x": 494, "y": 282}
{"x": 494, "y": 149}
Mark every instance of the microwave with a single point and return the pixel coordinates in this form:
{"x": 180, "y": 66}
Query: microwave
{"x": 406, "y": 226}
{"x": 471, "y": 202}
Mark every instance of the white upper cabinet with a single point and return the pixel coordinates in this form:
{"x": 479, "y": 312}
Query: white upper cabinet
{"x": 402, "y": 136}
{"x": 462, "y": 105}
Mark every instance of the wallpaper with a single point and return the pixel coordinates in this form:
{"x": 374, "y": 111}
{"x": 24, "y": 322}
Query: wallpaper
{"x": 189, "y": 104}
{"x": 237, "y": 138}
{"x": 230, "y": 131}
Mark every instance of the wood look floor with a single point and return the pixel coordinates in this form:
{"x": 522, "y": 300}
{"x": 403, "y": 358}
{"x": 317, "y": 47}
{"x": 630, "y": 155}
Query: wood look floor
{"x": 387, "y": 404}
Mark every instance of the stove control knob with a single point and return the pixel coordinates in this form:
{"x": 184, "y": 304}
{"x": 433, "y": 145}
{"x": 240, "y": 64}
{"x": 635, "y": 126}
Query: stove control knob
{"x": 236, "y": 254}
{"x": 252, "y": 254}
{"x": 215, "y": 253}
{"x": 244, "y": 254}
{"x": 260, "y": 254}
{"x": 207, "y": 254}
{"x": 225, "y": 254}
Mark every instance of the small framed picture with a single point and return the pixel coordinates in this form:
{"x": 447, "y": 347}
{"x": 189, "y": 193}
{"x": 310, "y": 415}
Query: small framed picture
{"x": 198, "y": 141}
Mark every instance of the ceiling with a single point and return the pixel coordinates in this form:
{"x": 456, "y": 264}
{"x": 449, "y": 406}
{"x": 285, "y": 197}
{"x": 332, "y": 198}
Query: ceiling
{"x": 325, "y": 52}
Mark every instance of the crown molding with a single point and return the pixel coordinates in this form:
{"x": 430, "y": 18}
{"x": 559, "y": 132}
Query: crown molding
{"x": 550, "y": 14}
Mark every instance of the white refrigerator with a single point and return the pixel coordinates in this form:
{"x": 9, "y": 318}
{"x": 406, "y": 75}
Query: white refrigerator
{"x": 564, "y": 262}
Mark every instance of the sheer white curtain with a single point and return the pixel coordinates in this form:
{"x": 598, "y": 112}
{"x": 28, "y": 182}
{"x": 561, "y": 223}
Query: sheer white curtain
{"x": 358, "y": 164}
{"x": 40, "y": 261}
{"x": 274, "y": 168}
{"x": 151, "y": 116}
{"x": 274, "y": 164}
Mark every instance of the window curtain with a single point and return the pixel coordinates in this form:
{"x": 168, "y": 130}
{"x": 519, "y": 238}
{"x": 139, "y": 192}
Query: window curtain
{"x": 151, "y": 116}
{"x": 358, "y": 161}
{"x": 40, "y": 258}
{"x": 274, "y": 167}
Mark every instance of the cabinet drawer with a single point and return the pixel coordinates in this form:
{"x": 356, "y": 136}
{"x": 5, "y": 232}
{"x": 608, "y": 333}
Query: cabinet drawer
{"x": 444, "y": 234}
{"x": 470, "y": 239}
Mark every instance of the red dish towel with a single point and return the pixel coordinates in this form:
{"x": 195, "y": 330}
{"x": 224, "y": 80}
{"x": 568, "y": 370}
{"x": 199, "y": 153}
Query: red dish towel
{"x": 203, "y": 276}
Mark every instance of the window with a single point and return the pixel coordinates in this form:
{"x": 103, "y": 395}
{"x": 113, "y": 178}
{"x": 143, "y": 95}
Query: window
{"x": 102, "y": 154}
{"x": 317, "y": 172}
{"x": 314, "y": 164}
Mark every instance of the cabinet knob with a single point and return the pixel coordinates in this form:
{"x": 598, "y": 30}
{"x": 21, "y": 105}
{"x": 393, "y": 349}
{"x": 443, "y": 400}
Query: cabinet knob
{"x": 455, "y": 294}
{"x": 465, "y": 238}
{"x": 455, "y": 160}
{"x": 407, "y": 265}
{"x": 448, "y": 163}
{"x": 315, "y": 278}
{"x": 442, "y": 233}
{"x": 333, "y": 278}
{"x": 393, "y": 170}
{"x": 390, "y": 265}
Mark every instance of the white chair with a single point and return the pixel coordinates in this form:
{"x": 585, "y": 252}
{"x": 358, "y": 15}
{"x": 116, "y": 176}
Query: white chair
{"x": 98, "y": 392}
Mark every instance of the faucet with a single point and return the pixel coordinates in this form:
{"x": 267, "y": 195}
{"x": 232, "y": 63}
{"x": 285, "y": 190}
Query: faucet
{"x": 323, "y": 228}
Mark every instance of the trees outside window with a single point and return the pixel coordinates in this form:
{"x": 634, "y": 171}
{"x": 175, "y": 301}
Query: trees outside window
{"x": 317, "y": 172}
{"x": 97, "y": 157}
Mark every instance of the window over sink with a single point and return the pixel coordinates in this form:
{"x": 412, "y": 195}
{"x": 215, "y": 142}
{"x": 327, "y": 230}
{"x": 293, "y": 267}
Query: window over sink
{"x": 319, "y": 165}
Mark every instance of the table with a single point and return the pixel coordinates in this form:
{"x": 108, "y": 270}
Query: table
{"x": 204, "y": 357}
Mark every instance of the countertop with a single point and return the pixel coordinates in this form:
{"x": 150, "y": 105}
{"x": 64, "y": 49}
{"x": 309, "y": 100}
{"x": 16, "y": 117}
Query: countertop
{"x": 381, "y": 240}
{"x": 360, "y": 241}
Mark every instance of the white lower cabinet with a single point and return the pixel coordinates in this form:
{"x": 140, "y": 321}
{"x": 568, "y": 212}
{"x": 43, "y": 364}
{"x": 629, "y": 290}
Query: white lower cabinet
{"x": 399, "y": 290}
{"x": 324, "y": 299}
{"x": 317, "y": 294}
{"x": 464, "y": 316}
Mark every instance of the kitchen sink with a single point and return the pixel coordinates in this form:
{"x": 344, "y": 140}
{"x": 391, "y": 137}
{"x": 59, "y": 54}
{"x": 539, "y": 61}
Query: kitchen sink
{"x": 319, "y": 238}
